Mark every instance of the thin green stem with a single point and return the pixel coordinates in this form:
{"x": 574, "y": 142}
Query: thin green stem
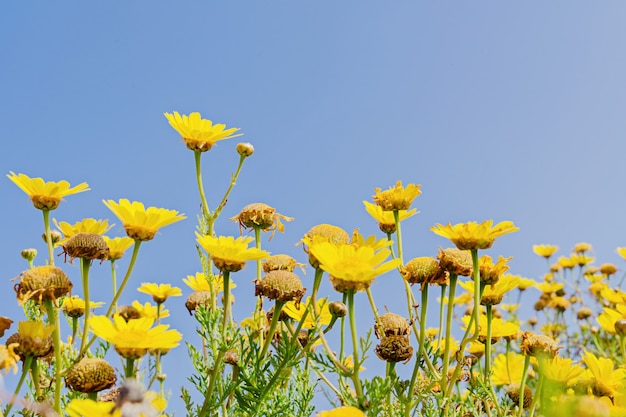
{"x": 522, "y": 385}
{"x": 226, "y": 302}
{"x": 448, "y": 335}
{"x": 477, "y": 296}
{"x": 206, "y": 213}
{"x": 129, "y": 369}
{"x": 56, "y": 339}
{"x": 373, "y": 305}
{"x": 270, "y": 333}
{"x": 114, "y": 280}
{"x": 46, "y": 225}
{"x": 27, "y": 363}
{"x": 84, "y": 272}
{"x": 487, "y": 375}
{"x": 233, "y": 181}
{"x": 355, "y": 347}
{"x": 441, "y": 310}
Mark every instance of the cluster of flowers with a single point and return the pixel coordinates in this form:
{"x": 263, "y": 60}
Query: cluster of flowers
{"x": 557, "y": 370}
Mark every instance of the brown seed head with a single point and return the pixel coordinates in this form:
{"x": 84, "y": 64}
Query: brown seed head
{"x": 424, "y": 270}
{"x": 538, "y": 345}
{"x": 324, "y": 232}
{"x": 88, "y": 246}
{"x": 196, "y": 299}
{"x": 338, "y": 309}
{"x": 390, "y": 324}
{"x": 42, "y": 283}
{"x": 127, "y": 313}
{"x": 608, "y": 269}
{"x": 231, "y": 357}
{"x": 280, "y": 286}
{"x": 456, "y": 261}
{"x": 91, "y": 375}
{"x": 394, "y": 349}
{"x": 584, "y": 313}
{"x": 279, "y": 262}
{"x": 513, "y": 392}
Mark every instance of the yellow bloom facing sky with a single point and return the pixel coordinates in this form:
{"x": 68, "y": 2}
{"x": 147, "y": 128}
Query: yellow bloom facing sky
{"x": 493, "y": 294}
{"x": 135, "y": 337}
{"x": 229, "y": 253}
{"x": 342, "y": 412}
{"x": 473, "y": 235}
{"x": 398, "y": 197}
{"x": 545, "y": 250}
{"x": 385, "y": 219}
{"x": 609, "y": 316}
{"x": 45, "y": 195}
{"x": 150, "y": 311}
{"x": 297, "y": 312}
{"x": 159, "y": 292}
{"x": 92, "y": 226}
{"x": 563, "y": 370}
{"x": 351, "y": 267}
{"x": 117, "y": 246}
{"x": 499, "y": 327}
{"x": 199, "y": 134}
{"x": 199, "y": 282}
{"x": 602, "y": 374}
{"x": 139, "y": 222}
{"x": 508, "y": 369}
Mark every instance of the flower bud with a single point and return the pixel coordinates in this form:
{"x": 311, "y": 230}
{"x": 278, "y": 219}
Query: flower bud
{"x": 620, "y": 327}
{"x": 338, "y": 309}
{"x": 245, "y": 149}
{"x": 29, "y": 254}
{"x": 55, "y": 236}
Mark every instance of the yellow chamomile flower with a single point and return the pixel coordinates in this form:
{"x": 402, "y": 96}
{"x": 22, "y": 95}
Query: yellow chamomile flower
{"x": 150, "y": 311}
{"x": 385, "y": 219}
{"x": 398, "y": 197}
{"x": 371, "y": 241}
{"x": 499, "y": 327}
{"x": 545, "y": 250}
{"x": 117, "y": 246}
{"x": 508, "y": 369}
{"x": 473, "y": 235}
{"x": 621, "y": 251}
{"x": 199, "y": 134}
{"x": 159, "y": 292}
{"x": 139, "y": 403}
{"x": 74, "y": 306}
{"x": 604, "y": 379}
{"x": 45, "y": 195}
{"x": 91, "y": 226}
{"x": 8, "y": 358}
{"x": 296, "y": 312}
{"x": 139, "y": 222}
{"x": 493, "y": 294}
{"x": 562, "y": 370}
{"x": 342, "y": 412}
{"x": 134, "y": 338}
{"x": 351, "y": 267}
{"x": 348, "y": 362}
{"x": 582, "y": 247}
{"x": 199, "y": 282}
{"x": 228, "y": 253}
{"x": 610, "y": 316}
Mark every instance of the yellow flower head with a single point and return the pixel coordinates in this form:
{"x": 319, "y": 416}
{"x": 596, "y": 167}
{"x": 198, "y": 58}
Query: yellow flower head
{"x": 351, "y": 267}
{"x": 398, "y": 197}
{"x": 150, "y": 405}
{"x": 200, "y": 282}
{"x": 500, "y": 328}
{"x": 34, "y": 338}
{"x": 621, "y": 251}
{"x": 45, "y": 195}
{"x": 74, "y": 306}
{"x": 296, "y": 312}
{"x": 159, "y": 292}
{"x": 323, "y": 233}
{"x": 261, "y": 216}
{"x": 134, "y": 338}
{"x": 563, "y": 370}
{"x": 489, "y": 272}
{"x": 371, "y": 241}
{"x": 508, "y": 369}
{"x": 566, "y": 263}
{"x": 385, "y": 219}
{"x": 605, "y": 380}
{"x": 342, "y": 412}
{"x": 610, "y": 316}
{"x": 199, "y": 134}
{"x": 117, "y": 246}
{"x": 150, "y": 311}
{"x": 493, "y": 294}
{"x": 582, "y": 247}
{"x": 525, "y": 283}
{"x": 8, "y": 358}
{"x": 472, "y": 235}
{"x": 141, "y": 223}
{"x": 91, "y": 226}
{"x": 228, "y": 253}
{"x": 545, "y": 250}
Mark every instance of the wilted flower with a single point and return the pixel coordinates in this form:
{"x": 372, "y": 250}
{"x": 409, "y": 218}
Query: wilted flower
{"x": 262, "y": 216}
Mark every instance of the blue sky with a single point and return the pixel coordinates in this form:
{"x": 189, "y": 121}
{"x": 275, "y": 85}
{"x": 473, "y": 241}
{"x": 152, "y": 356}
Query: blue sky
{"x": 501, "y": 111}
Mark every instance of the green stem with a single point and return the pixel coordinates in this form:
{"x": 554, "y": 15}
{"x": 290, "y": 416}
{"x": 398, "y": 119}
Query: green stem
{"x": 233, "y": 181}
{"x": 373, "y": 305}
{"x": 448, "y": 336}
{"x": 477, "y": 296}
{"x": 129, "y": 369}
{"x": 56, "y": 339}
{"x": 46, "y": 225}
{"x": 522, "y": 384}
{"x": 226, "y": 302}
{"x": 27, "y": 363}
{"x": 355, "y": 347}
{"x": 270, "y": 333}
{"x": 114, "y": 280}
{"x": 487, "y": 375}
{"x": 84, "y": 271}
{"x": 206, "y": 213}
{"x": 441, "y": 309}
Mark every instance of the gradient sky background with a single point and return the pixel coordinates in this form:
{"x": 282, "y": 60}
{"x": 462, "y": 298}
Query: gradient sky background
{"x": 501, "y": 111}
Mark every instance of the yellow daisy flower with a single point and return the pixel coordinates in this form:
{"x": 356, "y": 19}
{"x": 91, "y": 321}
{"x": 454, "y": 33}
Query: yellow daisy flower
{"x": 499, "y": 327}
{"x": 545, "y": 250}
{"x": 159, "y": 292}
{"x": 74, "y": 306}
{"x": 493, "y": 294}
{"x": 550, "y": 287}
{"x": 621, "y": 251}
{"x": 228, "y": 253}
{"x": 134, "y": 338}
{"x": 117, "y": 246}
{"x": 473, "y": 235}
{"x": 601, "y": 373}
{"x": 151, "y": 405}
{"x": 609, "y": 316}
{"x": 45, "y": 195}
{"x": 296, "y": 312}
{"x": 582, "y": 247}
{"x": 566, "y": 263}
{"x": 199, "y": 134}
{"x": 199, "y": 282}
{"x": 150, "y": 311}
{"x": 525, "y": 283}
{"x": 79, "y": 407}
{"x": 581, "y": 259}
{"x": 91, "y": 226}
{"x": 141, "y": 223}
{"x": 348, "y": 362}
{"x": 508, "y": 369}
{"x": 342, "y": 412}
{"x": 398, "y": 197}
{"x": 8, "y": 358}
{"x": 350, "y": 267}
{"x": 563, "y": 370}
{"x": 613, "y": 296}
{"x": 385, "y": 219}
{"x": 372, "y": 241}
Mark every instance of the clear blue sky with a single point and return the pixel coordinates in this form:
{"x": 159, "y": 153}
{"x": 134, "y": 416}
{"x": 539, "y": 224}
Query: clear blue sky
{"x": 510, "y": 111}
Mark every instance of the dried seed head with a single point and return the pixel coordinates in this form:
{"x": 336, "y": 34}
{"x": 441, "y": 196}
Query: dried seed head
{"x": 584, "y": 313}
{"x": 538, "y": 345}
{"x": 620, "y": 327}
{"x": 86, "y": 245}
{"x": 390, "y": 324}
{"x": 5, "y": 324}
{"x": 424, "y": 270}
{"x": 127, "y": 313}
{"x": 91, "y": 375}
{"x": 324, "y": 233}
{"x": 280, "y": 286}
{"x": 42, "y": 283}
{"x": 261, "y": 216}
{"x": 456, "y": 261}
{"x": 394, "y": 349}
{"x": 279, "y": 262}
{"x": 513, "y": 392}
{"x": 338, "y": 309}
{"x": 231, "y": 357}
{"x": 198, "y": 298}
{"x": 245, "y": 149}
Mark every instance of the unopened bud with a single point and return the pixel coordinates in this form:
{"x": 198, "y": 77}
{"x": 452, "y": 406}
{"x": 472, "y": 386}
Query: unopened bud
{"x": 29, "y": 254}
{"x": 245, "y": 149}
{"x": 338, "y": 309}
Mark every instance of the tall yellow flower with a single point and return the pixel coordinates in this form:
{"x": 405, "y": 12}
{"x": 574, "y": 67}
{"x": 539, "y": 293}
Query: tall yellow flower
{"x": 228, "y": 253}
{"x": 200, "y": 282}
{"x": 351, "y": 267}
{"x": 508, "y": 369}
{"x": 296, "y": 311}
{"x": 159, "y": 292}
{"x": 150, "y": 311}
{"x": 493, "y": 294}
{"x": 342, "y": 412}
{"x": 499, "y": 327}
{"x": 74, "y": 306}
{"x": 398, "y": 197}
{"x": 45, "y": 195}
{"x": 117, "y": 246}
{"x": 473, "y": 235}
{"x": 621, "y": 251}
{"x": 385, "y": 219}
{"x": 562, "y": 370}
{"x": 134, "y": 338}
{"x": 545, "y": 251}
{"x": 141, "y": 223}
{"x": 90, "y": 225}
{"x": 609, "y": 316}
{"x": 8, "y": 358}
{"x": 604, "y": 379}
{"x": 199, "y": 134}
{"x": 490, "y": 272}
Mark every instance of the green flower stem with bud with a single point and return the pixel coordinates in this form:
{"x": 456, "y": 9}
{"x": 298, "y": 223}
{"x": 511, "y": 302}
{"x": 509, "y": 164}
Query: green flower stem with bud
{"x": 448, "y": 334}
{"x": 233, "y": 181}
{"x": 53, "y": 319}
